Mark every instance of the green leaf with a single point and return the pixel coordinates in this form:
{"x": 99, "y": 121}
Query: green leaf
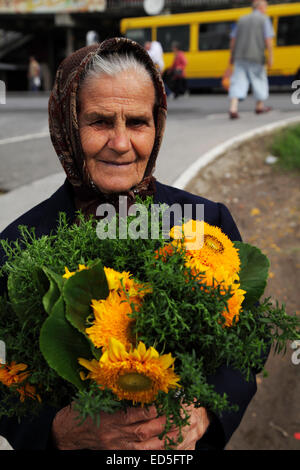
{"x": 254, "y": 272}
{"x": 54, "y": 291}
{"x": 80, "y": 289}
{"x": 62, "y": 345}
{"x": 40, "y": 280}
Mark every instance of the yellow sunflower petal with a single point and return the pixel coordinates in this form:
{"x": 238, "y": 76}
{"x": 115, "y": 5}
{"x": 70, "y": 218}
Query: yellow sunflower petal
{"x": 68, "y": 273}
{"x": 81, "y": 267}
{"x": 111, "y": 319}
{"x": 116, "y": 350}
{"x": 166, "y": 360}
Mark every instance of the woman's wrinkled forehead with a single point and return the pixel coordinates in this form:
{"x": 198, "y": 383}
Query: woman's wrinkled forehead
{"x": 115, "y": 65}
{"x": 120, "y": 85}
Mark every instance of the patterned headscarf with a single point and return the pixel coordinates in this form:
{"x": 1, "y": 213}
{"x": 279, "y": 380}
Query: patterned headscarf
{"x": 64, "y": 129}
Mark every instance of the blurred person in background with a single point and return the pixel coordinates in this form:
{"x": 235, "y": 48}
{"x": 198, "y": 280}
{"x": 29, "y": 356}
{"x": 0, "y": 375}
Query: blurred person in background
{"x": 174, "y": 77}
{"x": 250, "y": 37}
{"x": 92, "y": 37}
{"x": 34, "y": 74}
{"x": 155, "y": 51}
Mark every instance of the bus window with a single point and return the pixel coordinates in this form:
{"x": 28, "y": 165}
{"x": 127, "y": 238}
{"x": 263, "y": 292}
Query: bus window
{"x": 214, "y": 36}
{"x": 140, "y": 35}
{"x": 288, "y": 31}
{"x": 168, "y": 34}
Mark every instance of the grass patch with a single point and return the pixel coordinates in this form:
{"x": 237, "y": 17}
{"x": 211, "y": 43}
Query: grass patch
{"x": 286, "y": 146}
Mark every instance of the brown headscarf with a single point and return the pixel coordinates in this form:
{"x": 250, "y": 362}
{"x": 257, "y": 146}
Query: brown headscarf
{"x": 63, "y": 122}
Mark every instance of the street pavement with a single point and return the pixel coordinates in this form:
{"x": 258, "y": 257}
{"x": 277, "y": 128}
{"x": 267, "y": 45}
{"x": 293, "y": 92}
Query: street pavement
{"x": 30, "y": 170}
{"x": 196, "y": 124}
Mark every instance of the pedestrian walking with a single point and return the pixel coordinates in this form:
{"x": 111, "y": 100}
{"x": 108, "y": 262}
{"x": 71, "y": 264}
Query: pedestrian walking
{"x": 175, "y": 77}
{"x": 92, "y": 37}
{"x": 155, "y": 51}
{"x": 34, "y": 74}
{"x": 250, "y": 38}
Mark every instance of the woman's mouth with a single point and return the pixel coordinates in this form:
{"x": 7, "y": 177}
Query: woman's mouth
{"x": 116, "y": 163}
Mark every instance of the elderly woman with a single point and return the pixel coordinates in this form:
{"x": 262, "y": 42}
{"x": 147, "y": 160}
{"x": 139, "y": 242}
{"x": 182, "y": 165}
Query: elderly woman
{"x": 107, "y": 114}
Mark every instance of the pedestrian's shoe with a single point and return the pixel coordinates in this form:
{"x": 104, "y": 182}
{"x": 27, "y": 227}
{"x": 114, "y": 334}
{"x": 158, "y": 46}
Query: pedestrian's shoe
{"x": 266, "y": 109}
{"x": 233, "y": 115}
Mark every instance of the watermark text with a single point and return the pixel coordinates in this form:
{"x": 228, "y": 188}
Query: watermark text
{"x": 296, "y": 95}
{"x": 161, "y": 220}
{"x": 2, "y": 92}
{"x": 2, "y": 352}
{"x": 296, "y": 354}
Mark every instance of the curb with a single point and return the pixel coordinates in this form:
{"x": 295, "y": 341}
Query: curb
{"x": 210, "y": 156}
{"x": 20, "y": 200}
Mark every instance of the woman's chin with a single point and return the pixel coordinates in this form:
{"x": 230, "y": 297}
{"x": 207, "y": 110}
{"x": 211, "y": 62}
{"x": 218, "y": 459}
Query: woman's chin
{"x": 110, "y": 187}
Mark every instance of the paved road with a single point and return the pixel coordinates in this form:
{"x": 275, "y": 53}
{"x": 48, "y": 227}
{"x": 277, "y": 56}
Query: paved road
{"x": 195, "y": 125}
{"x": 30, "y": 171}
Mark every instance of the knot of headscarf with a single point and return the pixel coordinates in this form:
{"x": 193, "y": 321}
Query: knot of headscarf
{"x": 64, "y": 129}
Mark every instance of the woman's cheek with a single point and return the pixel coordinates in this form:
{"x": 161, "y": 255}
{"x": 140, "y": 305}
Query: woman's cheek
{"x": 89, "y": 143}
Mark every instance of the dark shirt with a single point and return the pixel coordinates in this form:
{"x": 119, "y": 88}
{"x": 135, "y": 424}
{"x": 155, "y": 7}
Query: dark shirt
{"x": 36, "y": 434}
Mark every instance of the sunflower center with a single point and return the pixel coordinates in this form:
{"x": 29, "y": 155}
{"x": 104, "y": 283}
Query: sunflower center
{"x": 213, "y": 243}
{"x": 134, "y": 382}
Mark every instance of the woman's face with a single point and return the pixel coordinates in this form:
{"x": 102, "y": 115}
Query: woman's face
{"x": 117, "y": 129}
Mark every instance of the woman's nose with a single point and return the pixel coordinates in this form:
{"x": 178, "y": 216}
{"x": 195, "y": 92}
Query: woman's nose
{"x": 119, "y": 140}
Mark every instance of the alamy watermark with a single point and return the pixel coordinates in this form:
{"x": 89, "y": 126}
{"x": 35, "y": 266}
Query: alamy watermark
{"x": 162, "y": 219}
{"x": 296, "y": 354}
{"x": 2, "y": 92}
{"x": 296, "y": 95}
{"x": 2, "y": 352}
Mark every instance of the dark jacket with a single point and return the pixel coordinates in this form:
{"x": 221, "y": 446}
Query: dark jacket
{"x": 36, "y": 434}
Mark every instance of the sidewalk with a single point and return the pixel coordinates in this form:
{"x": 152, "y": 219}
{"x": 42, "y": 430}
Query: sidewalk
{"x": 188, "y": 145}
{"x": 197, "y": 142}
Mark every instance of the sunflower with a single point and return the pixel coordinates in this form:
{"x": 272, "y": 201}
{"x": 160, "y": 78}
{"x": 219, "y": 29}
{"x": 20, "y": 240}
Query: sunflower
{"x": 112, "y": 315}
{"x": 234, "y": 306}
{"x": 216, "y": 262}
{"x": 111, "y": 319}
{"x": 137, "y": 375}
{"x": 213, "y": 276}
{"x": 214, "y": 249}
{"x": 68, "y": 273}
{"x": 13, "y": 373}
{"x": 123, "y": 281}
{"x": 190, "y": 232}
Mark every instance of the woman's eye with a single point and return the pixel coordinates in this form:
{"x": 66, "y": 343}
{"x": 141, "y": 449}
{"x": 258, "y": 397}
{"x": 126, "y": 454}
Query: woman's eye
{"x": 101, "y": 123}
{"x": 136, "y": 122}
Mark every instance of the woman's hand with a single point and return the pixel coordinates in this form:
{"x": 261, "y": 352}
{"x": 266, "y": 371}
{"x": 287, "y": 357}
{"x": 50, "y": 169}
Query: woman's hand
{"x": 198, "y": 424}
{"x": 137, "y": 429}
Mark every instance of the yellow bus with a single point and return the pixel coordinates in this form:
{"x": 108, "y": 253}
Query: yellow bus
{"x": 205, "y": 36}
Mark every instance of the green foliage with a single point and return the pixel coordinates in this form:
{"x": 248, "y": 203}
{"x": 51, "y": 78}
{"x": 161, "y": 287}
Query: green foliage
{"x": 92, "y": 401}
{"x": 286, "y": 146}
{"x": 80, "y": 289}
{"x": 61, "y": 345}
{"x": 51, "y": 297}
{"x": 253, "y": 273}
{"x": 22, "y": 345}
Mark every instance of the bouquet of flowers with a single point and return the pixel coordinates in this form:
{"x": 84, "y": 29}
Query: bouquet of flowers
{"x": 122, "y": 322}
